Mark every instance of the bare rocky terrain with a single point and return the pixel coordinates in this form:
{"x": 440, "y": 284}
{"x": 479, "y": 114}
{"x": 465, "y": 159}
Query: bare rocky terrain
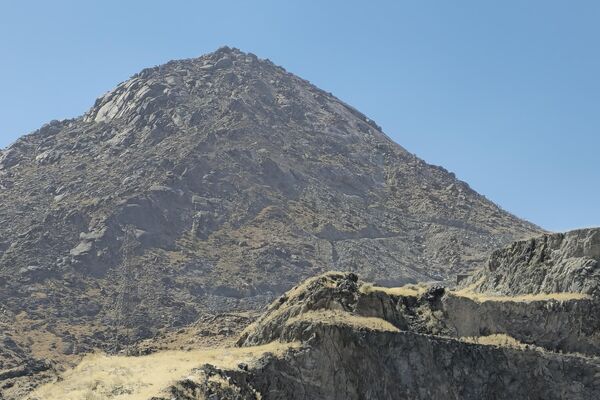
{"x": 335, "y": 336}
{"x": 209, "y": 186}
{"x": 359, "y": 341}
{"x": 559, "y": 262}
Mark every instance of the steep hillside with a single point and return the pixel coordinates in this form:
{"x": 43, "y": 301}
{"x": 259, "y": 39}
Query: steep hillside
{"x": 209, "y": 185}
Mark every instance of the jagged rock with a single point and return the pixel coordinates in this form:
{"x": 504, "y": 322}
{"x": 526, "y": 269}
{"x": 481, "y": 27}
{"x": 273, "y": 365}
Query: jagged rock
{"x": 47, "y": 157}
{"x": 224, "y": 62}
{"x": 565, "y": 326}
{"x": 555, "y": 324}
{"x": 561, "y": 262}
{"x": 9, "y": 158}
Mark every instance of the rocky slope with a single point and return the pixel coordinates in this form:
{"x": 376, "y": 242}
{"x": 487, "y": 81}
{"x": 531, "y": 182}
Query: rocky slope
{"x": 209, "y": 185}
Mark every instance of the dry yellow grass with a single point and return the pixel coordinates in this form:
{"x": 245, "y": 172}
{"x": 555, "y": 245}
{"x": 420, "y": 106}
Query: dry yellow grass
{"x": 276, "y": 309}
{"x": 345, "y": 318}
{"x": 469, "y": 292}
{"x": 480, "y": 297}
{"x": 326, "y": 279}
{"x": 498, "y": 339}
{"x": 406, "y": 291}
{"x": 102, "y": 377}
{"x": 42, "y": 342}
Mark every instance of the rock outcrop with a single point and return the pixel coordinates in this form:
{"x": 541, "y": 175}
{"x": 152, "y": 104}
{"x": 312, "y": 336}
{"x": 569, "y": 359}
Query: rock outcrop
{"x": 365, "y": 342}
{"x": 552, "y": 263}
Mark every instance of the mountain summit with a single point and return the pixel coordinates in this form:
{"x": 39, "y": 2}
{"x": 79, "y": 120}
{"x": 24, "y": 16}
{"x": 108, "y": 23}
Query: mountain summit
{"x": 213, "y": 184}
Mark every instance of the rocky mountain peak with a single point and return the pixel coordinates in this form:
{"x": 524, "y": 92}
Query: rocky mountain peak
{"x": 233, "y": 84}
{"x": 165, "y": 86}
{"x": 215, "y": 184}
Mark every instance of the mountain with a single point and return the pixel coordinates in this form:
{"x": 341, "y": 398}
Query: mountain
{"x": 209, "y": 185}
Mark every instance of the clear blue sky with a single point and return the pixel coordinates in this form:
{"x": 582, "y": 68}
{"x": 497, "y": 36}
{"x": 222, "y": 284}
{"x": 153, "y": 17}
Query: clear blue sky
{"x": 504, "y": 93}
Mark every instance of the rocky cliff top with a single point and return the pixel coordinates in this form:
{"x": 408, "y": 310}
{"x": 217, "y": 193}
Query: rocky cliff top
{"x": 552, "y": 263}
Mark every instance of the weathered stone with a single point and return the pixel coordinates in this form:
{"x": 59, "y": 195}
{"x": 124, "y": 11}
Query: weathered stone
{"x": 224, "y": 62}
{"x": 82, "y": 248}
{"x": 561, "y": 262}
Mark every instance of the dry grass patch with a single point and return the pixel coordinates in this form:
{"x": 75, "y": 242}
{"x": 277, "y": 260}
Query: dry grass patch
{"x": 405, "y": 291}
{"x": 498, "y": 339}
{"x": 562, "y": 296}
{"x": 102, "y": 377}
{"x": 345, "y": 318}
{"x": 326, "y": 279}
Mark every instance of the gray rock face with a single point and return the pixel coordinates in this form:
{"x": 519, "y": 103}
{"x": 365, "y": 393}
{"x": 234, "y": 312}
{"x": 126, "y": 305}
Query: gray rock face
{"x": 347, "y": 364}
{"x": 568, "y": 326}
{"x": 239, "y": 180}
{"x": 553, "y": 263}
